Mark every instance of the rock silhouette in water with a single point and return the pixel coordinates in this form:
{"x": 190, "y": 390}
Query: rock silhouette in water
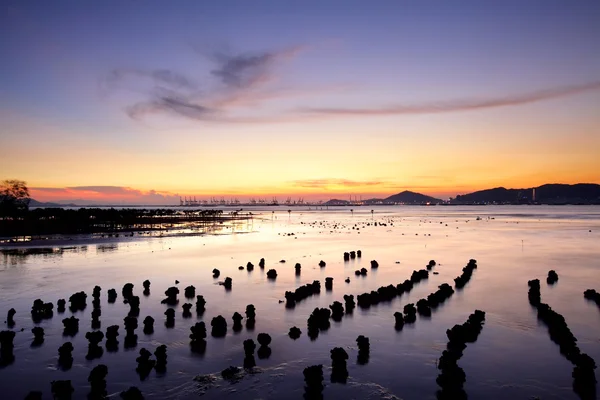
{"x": 216, "y": 273}
{"x": 249, "y": 266}
{"x": 322, "y": 264}
{"x": 230, "y": 373}
{"x": 313, "y": 378}
{"x": 237, "y": 321}
{"x": 249, "y": 361}
{"x": 145, "y": 364}
{"x": 62, "y": 390}
{"x": 97, "y": 380}
{"x": 132, "y": 393}
{"x": 34, "y": 395}
{"x": 352, "y": 255}
{"x": 261, "y": 263}
{"x": 131, "y": 325}
{"x": 364, "y": 349}
{"x": 146, "y": 285}
{"x": 552, "y": 277}
{"x": 318, "y": 321}
{"x": 112, "y": 344}
{"x": 6, "y": 347}
{"x": 112, "y": 295}
{"x": 463, "y": 279}
{"x": 410, "y": 313}
{"x": 65, "y": 357}
{"x": 337, "y": 311}
{"x": 198, "y": 336}
{"x": 161, "y": 358}
{"x": 339, "y": 370}
{"x": 38, "y": 336}
{"x": 271, "y": 274}
{"x": 219, "y": 326}
{"x": 264, "y": 351}
{"x": 170, "y": 314}
{"x": 77, "y": 301}
{"x": 148, "y": 325}
{"x": 200, "y": 305}
{"x": 227, "y": 283}
{"x": 186, "y": 310}
{"x": 349, "y": 303}
{"x": 592, "y": 295}
{"x": 190, "y": 292}
{"x": 374, "y": 264}
{"x": 171, "y": 294}
{"x": 10, "y": 322}
{"x": 250, "y": 316}
{"x": 328, "y": 283}
{"x": 399, "y": 320}
{"x": 94, "y": 350}
{"x": 127, "y": 291}
{"x": 71, "y": 326}
{"x": 96, "y": 313}
{"x": 40, "y": 311}
{"x": 431, "y": 264}
{"x": 358, "y": 253}
{"x": 60, "y": 306}
{"x": 298, "y": 268}
{"x": 294, "y": 332}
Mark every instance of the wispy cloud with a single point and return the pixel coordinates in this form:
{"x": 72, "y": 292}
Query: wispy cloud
{"x": 458, "y": 105}
{"x": 103, "y": 195}
{"x": 332, "y": 182}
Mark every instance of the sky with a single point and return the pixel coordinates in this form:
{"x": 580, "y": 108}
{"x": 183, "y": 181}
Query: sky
{"x": 142, "y": 102}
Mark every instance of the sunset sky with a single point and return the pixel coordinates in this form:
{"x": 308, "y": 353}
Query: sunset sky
{"x": 143, "y": 101}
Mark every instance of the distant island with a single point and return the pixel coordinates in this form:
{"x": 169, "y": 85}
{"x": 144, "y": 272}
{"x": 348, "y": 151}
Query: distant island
{"x": 551, "y": 194}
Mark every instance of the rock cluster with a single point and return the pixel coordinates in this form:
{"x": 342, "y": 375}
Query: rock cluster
{"x": 112, "y": 295}
{"x": 339, "y": 369}
{"x": 431, "y": 264}
{"x": 94, "y": 350}
{"x": 97, "y": 380}
{"x": 452, "y": 377}
{"x": 552, "y": 277}
{"x": 78, "y": 301}
{"x": 388, "y": 293}
{"x": 361, "y": 272}
{"x": 337, "y": 311}
{"x": 294, "y": 332}
{"x": 171, "y": 298}
{"x": 219, "y": 326}
{"x": 318, "y": 321}
{"x": 198, "y": 336}
{"x": 467, "y": 272}
{"x": 65, "y": 356}
{"x": 363, "y": 349}
{"x": 39, "y": 311}
{"x": 301, "y": 293}
{"x": 71, "y": 326}
{"x": 313, "y": 378}
{"x": 264, "y": 351}
{"x": 96, "y": 296}
{"x": 38, "y": 336}
{"x": 145, "y": 364}
{"x": 190, "y": 292}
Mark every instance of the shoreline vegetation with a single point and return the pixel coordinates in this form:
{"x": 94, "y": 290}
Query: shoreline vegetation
{"x": 40, "y": 223}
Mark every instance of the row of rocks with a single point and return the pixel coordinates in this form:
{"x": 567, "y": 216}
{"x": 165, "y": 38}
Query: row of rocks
{"x": 388, "y": 293}
{"x": 301, "y": 293}
{"x": 452, "y": 377}
{"x": 352, "y": 255}
{"x": 465, "y": 277}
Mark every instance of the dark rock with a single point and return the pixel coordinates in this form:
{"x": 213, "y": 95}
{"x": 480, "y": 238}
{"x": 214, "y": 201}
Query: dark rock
{"x": 337, "y": 311}
{"x": 161, "y": 358}
{"x": 40, "y": 311}
{"x": 200, "y": 305}
{"x": 219, "y": 326}
{"x": 61, "y": 390}
{"x": 423, "y": 308}
{"x": 271, "y": 274}
{"x": 112, "y": 295}
{"x": 127, "y": 291}
{"x": 294, "y": 332}
{"x": 134, "y": 306}
{"x": 186, "y": 310}
{"x": 463, "y": 279}
{"x": 353, "y": 255}
{"x": 347, "y": 280}
{"x": 261, "y": 263}
{"x": 328, "y": 283}
{"x": 97, "y": 380}
{"x": 358, "y": 253}
{"x": 250, "y": 266}
{"x": 363, "y": 349}
{"x": 374, "y": 264}
{"x": 339, "y": 371}
{"x": 7, "y": 347}
{"x": 552, "y": 277}
{"x": 230, "y": 373}
{"x": 346, "y": 256}
{"x": 241, "y": 267}
{"x": 148, "y": 325}
{"x": 34, "y": 395}
{"x": 190, "y": 292}
{"x": 146, "y": 285}
{"x": 38, "y": 336}
{"x": 322, "y": 264}
{"x": 60, "y": 305}
{"x": 171, "y": 294}
{"x": 313, "y": 378}
{"x": 77, "y": 301}
{"x": 216, "y": 273}
{"x": 170, "y": 314}
{"x": 227, "y": 283}
{"x": 431, "y": 265}
{"x": 132, "y": 393}
{"x": 145, "y": 364}
{"x": 65, "y": 357}
{"x": 264, "y": 339}
{"x": 71, "y": 326}
{"x": 9, "y": 318}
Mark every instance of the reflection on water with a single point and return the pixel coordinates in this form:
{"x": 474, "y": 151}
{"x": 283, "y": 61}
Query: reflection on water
{"x": 512, "y": 357}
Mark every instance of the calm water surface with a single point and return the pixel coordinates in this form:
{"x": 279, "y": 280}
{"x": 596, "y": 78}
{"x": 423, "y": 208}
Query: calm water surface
{"x": 513, "y": 357}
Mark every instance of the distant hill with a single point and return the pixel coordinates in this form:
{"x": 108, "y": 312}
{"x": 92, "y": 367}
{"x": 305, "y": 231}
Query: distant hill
{"x": 581, "y": 193}
{"x": 39, "y": 204}
{"x": 408, "y": 197}
{"x": 336, "y": 202}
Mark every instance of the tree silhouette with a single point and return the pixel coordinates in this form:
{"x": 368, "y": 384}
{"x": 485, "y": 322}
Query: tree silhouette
{"x": 14, "y": 198}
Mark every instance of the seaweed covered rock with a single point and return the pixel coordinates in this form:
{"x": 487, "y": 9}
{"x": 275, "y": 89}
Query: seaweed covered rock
{"x": 133, "y": 393}
{"x": 552, "y": 277}
{"x": 62, "y": 390}
{"x": 97, "y": 380}
{"x": 423, "y": 308}
{"x": 465, "y": 277}
{"x": 198, "y": 336}
{"x": 364, "y": 349}
{"x": 131, "y": 324}
{"x": 249, "y": 361}
{"x": 358, "y": 253}
{"x": 219, "y": 326}
{"x": 171, "y": 298}
{"x": 161, "y": 358}
{"x": 65, "y": 356}
{"x": 230, "y": 373}
{"x": 294, "y": 332}
{"x": 410, "y": 313}
{"x": 127, "y": 291}
{"x": 148, "y": 325}
{"x": 349, "y": 303}
{"x": 431, "y": 264}
{"x": 339, "y": 369}
{"x": 134, "y": 306}
{"x": 40, "y": 311}
{"x": 190, "y": 292}
{"x": 78, "y": 301}
{"x": 302, "y": 293}
{"x": 534, "y": 294}
{"x": 298, "y": 268}
{"x": 313, "y": 378}
{"x": 346, "y": 256}
{"x": 71, "y": 326}
{"x": 271, "y": 274}
{"x": 145, "y": 364}
{"x": 250, "y": 316}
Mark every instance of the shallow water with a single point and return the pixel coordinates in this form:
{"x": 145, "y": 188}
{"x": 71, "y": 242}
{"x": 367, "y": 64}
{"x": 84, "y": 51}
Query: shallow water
{"x": 513, "y": 356}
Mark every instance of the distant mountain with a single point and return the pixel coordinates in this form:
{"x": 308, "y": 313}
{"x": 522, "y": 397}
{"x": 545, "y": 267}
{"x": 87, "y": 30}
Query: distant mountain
{"x": 336, "y": 202}
{"x": 408, "y": 197}
{"x": 581, "y": 193}
{"x": 39, "y": 204}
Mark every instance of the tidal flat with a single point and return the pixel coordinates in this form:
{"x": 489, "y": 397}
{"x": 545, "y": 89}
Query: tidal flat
{"x": 513, "y": 355}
